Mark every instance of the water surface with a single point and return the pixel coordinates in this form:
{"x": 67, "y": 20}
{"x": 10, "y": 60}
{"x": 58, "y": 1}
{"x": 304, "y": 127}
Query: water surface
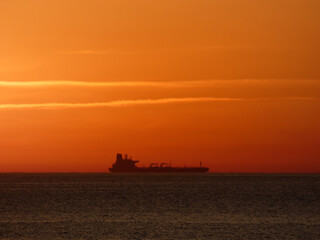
{"x": 159, "y": 206}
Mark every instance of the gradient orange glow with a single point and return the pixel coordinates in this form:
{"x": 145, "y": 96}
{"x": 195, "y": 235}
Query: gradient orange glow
{"x": 233, "y": 84}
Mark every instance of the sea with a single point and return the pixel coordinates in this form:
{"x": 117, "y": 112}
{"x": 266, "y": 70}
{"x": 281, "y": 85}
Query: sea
{"x": 159, "y": 206}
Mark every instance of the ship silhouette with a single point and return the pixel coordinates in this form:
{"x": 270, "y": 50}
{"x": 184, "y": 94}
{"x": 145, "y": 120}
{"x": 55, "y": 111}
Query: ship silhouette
{"x": 127, "y": 165}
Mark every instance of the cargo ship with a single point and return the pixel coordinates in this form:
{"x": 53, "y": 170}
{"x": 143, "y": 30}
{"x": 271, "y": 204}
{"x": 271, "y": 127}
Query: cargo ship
{"x": 127, "y": 165}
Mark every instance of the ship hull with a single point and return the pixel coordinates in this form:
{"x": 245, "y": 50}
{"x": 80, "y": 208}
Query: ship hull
{"x": 160, "y": 170}
{"x": 127, "y": 165}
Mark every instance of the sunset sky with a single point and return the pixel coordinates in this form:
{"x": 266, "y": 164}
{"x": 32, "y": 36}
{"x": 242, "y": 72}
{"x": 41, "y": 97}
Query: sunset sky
{"x": 234, "y": 84}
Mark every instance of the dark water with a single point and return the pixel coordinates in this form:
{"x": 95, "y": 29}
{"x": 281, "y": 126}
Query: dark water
{"x": 191, "y": 206}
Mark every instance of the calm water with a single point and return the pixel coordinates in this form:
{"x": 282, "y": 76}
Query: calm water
{"x": 192, "y": 206}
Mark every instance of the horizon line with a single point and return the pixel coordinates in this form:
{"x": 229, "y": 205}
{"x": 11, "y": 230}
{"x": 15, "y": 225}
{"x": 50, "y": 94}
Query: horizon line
{"x": 107, "y": 172}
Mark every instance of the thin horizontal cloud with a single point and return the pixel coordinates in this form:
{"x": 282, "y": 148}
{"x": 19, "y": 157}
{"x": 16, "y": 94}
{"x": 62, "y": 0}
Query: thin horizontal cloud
{"x": 190, "y": 49}
{"x": 99, "y": 52}
{"x": 90, "y": 84}
{"x": 197, "y": 83}
{"x": 119, "y": 103}
{"x": 127, "y": 103}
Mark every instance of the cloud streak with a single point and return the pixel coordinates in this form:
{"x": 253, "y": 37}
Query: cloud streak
{"x": 191, "y": 49}
{"x": 171, "y": 84}
{"x": 119, "y": 103}
{"x": 92, "y": 84}
{"x": 100, "y": 52}
{"x": 127, "y": 103}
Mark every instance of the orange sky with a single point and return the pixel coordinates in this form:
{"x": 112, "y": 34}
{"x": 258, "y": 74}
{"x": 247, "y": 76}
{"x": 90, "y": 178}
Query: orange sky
{"x": 232, "y": 83}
